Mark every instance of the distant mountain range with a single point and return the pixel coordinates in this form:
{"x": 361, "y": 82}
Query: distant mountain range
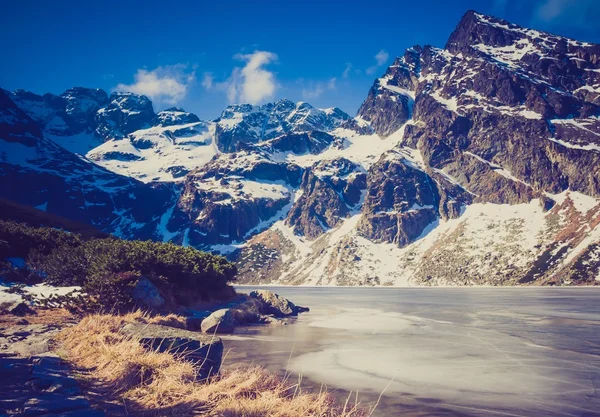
{"x": 474, "y": 164}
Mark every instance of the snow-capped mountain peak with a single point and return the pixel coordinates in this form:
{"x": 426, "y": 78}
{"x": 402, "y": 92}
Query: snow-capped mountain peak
{"x": 245, "y": 123}
{"x": 175, "y": 116}
{"x": 472, "y": 164}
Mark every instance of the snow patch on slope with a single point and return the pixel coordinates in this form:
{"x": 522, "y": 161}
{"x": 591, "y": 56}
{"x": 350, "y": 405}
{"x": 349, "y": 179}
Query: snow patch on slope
{"x": 158, "y": 153}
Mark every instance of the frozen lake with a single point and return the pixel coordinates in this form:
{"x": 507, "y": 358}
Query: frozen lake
{"x": 440, "y": 351}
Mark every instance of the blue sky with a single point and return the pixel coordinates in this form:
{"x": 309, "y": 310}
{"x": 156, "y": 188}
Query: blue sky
{"x": 204, "y": 55}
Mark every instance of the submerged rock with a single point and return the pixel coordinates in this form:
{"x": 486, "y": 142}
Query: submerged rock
{"x": 203, "y": 350}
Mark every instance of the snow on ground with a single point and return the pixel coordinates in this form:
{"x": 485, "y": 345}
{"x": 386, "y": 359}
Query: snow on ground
{"x": 242, "y": 189}
{"x": 453, "y": 180}
{"x": 509, "y": 55}
{"x": 343, "y": 257}
{"x": 38, "y": 291}
{"x": 80, "y": 143}
{"x": 158, "y": 153}
{"x": 364, "y": 150}
{"x": 45, "y": 291}
{"x": 479, "y": 101}
{"x": 384, "y": 82}
{"x": 593, "y": 236}
{"x": 450, "y": 103}
{"x": 583, "y": 203}
{"x": 6, "y": 297}
{"x": 588, "y": 147}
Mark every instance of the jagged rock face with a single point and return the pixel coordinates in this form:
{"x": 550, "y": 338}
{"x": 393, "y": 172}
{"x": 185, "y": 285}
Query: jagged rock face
{"x": 564, "y": 64}
{"x": 228, "y": 198}
{"x": 68, "y": 118}
{"x": 251, "y": 164}
{"x": 330, "y": 190}
{"x": 502, "y": 115}
{"x": 313, "y": 142}
{"x": 37, "y": 172}
{"x": 124, "y": 114}
{"x": 82, "y": 105}
{"x": 483, "y": 169}
{"x": 71, "y": 112}
{"x": 391, "y": 99}
{"x": 175, "y": 116}
{"x": 502, "y": 101}
{"x": 248, "y": 124}
{"x": 401, "y": 201}
{"x": 15, "y": 126}
{"x": 224, "y": 214}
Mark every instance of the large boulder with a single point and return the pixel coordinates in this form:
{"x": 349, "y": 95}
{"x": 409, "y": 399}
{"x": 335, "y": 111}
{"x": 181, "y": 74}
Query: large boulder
{"x": 145, "y": 294}
{"x": 220, "y": 321}
{"x": 275, "y": 304}
{"x": 203, "y": 350}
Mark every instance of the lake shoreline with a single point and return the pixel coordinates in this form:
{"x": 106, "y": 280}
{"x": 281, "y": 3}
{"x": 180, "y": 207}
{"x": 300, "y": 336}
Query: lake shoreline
{"x": 521, "y": 347}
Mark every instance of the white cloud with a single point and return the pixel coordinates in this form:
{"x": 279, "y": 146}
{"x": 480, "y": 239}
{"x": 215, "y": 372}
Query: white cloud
{"x": 380, "y": 58}
{"x": 347, "y": 70}
{"x": 249, "y": 84}
{"x": 316, "y": 89}
{"x": 371, "y": 70}
{"x": 207, "y": 80}
{"x": 169, "y": 84}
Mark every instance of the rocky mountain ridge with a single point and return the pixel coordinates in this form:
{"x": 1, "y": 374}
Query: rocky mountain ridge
{"x": 478, "y": 163}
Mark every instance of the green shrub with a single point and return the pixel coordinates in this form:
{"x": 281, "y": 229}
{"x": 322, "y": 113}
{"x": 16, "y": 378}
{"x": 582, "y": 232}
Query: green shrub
{"x": 19, "y": 240}
{"x": 108, "y": 268}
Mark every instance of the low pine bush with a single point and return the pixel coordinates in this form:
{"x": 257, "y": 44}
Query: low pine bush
{"x": 108, "y": 268}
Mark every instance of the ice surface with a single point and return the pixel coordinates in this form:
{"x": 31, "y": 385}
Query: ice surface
{"x": 443, "y": 351}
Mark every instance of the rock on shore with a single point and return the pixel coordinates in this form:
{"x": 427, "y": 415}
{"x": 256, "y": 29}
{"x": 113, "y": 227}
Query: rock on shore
{"x": 203, "y": 350}
{"x": 275, "y": 304}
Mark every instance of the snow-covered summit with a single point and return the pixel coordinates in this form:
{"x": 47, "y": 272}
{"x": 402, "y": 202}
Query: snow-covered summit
{"x": 470, "y": 164}
{"x": 245, "y": 123}
{"x": 124, "y": 114}
{"x": 159, "y": 153}
{"x": 175, "y": 116}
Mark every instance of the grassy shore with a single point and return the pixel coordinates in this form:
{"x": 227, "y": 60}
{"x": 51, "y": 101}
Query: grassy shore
{"x": 159, "y": 384}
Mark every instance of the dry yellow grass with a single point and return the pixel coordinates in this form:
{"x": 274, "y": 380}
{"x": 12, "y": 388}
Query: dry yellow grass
{"x": 160, "y": 384}
{"x": 42, "y": 316}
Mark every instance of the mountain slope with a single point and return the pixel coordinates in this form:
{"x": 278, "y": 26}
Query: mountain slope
{"x": 37, "y": 172}
{"x": 503, "y": 117}
{"x": 474, "y": 164}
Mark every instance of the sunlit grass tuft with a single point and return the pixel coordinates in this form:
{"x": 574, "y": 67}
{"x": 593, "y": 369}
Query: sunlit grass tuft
{"x": 159, "y": 384}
